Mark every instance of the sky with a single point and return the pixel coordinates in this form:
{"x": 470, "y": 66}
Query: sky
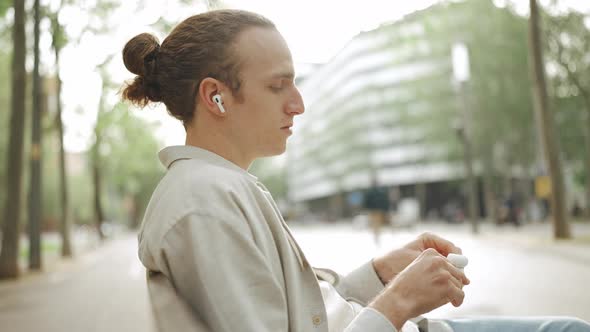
{"x": 315, "y": 30}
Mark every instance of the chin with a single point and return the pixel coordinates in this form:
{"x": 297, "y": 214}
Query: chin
{"x": 278, "y": 150}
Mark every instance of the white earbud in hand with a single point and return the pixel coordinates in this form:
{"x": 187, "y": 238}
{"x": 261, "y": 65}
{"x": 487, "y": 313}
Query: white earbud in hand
{"x": 459, "y": 261}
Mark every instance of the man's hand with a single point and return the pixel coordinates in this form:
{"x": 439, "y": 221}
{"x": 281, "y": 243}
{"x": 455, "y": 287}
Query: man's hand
{"x": 391, "y": 264}
{"x": 429, "y": 282}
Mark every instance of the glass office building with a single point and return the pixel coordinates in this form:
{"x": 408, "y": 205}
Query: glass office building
{"x": 386, "y": 106}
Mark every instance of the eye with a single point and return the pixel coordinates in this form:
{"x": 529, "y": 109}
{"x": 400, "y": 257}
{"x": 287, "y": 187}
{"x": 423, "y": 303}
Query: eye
{"x": 275, "y": 88}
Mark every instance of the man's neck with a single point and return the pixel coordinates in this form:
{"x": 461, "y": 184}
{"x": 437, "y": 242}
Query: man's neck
{"x": 217, "y": 143}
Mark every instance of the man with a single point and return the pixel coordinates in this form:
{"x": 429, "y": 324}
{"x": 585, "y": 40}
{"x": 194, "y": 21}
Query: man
{"x": 377, "y": 205}
{"x": 214, "y": 230}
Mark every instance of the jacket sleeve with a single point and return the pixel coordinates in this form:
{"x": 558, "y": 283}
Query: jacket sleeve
{"x": 216, "y": 266}
{"x": 370, "y": 320}
{"x": 361, "y": 285}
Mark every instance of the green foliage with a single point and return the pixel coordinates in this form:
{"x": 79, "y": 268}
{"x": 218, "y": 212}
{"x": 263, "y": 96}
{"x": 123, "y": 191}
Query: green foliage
{"x": 504, "y": 118}
{"x": 4, "y": 119}
{"x": 4, "y": 89}
{"x": 570, "y": 119}
{"x": 568, "y": 53}
{"x": 50, "y": 177}
{"x": 271, "y": 175}
{"x": 47, "y": 246}
{"x": 100, "y": 12}
{"x": 499, "y": 111}
{"x": 81, "y": 194}
{"x": 4, "y": 5}
{"x": 59, "y": 38}
{"x": 126, "y": 152}
{"x": 79, "y": 183}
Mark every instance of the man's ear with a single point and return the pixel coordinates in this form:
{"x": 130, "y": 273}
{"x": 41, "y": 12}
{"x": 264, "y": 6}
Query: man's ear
{"x": 210, "y": 91}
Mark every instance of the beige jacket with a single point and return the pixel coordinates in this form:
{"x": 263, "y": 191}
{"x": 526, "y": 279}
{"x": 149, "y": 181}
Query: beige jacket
{"x": 217, "y": 234}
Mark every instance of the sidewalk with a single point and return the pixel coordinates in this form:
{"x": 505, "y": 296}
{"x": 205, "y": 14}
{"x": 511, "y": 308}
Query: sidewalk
{"x": 102, "y": 289}
{"x": 538, "y": 236}
{"x": 532, "y": 236}
{"x": 514, "y": 271}
{"x": 84, "y": 239}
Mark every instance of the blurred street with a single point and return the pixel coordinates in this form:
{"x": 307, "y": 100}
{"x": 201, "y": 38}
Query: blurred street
{"x": 514, "y": 271}
{"x": 103, "y": 290}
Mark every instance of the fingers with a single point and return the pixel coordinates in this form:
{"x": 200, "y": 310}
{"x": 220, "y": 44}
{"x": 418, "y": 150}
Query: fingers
{"x": 441, "y": 262}
{"x": 443, "y": 246}
{"x": 453, "y": 290}
{"x": 458, "y": 274}
{"x": 455, "y": 279}
{"x": 456, "y": 294}
{"x": 429, "y": 282}
{"x": 456, "y": 282}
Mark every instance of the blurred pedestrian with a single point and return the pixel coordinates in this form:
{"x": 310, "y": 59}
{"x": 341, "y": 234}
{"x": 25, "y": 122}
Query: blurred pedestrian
{"x": 394, "y": 198}
{"x": 376, "y": 203}
{"x": 511, "y": 210}
{"x": 576, "y": 209}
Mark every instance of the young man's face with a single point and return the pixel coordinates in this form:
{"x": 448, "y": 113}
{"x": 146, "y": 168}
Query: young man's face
{"x": 261, "y": 120}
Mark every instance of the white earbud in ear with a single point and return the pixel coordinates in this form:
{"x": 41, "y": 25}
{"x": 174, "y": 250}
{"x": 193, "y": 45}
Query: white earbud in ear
{"x": 217, "y": 100}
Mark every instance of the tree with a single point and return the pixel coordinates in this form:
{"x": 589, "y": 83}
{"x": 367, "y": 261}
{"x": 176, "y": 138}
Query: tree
{"x": 96, "y": 158}
{"x": 35, "y": 209}
{"x": 10, "y": 231}
{"x": 57, "y": 43}
{"x": 5, "y": 52}
{"x": 130, "y": 167}
{"x": 498, "y": 94}
{"x": 545, "y": 121}
{"x": 122, "y": 157}
{"x": 101, "y": 11}
{"x": 4, "y": 5}
{"x": 568, "y": 47}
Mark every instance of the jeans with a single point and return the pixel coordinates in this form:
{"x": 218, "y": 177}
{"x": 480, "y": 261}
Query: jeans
{"x": 519, "y": 324}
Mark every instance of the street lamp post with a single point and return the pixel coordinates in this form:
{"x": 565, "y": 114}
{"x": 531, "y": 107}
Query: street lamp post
{"x": 461, "y": 74}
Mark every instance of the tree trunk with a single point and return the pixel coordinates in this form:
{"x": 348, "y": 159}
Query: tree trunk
{"x": 471, "y": 187}
{"x": 35, "y": 207}
{"x": 134, "y": 216}
{"x": 587, "y": 103}
{"x": 560, "y": 225}
{"x": 64, "y": 229}
{"x": 587, "y": 164}
{"x": 10, "y": 233}
{"x": 421, "y": 196}
{"x": 470, "y": 184}
{"x": 490, "y": 197}
{"x": 98, "y": 211}
{"x": 585, "y": 93}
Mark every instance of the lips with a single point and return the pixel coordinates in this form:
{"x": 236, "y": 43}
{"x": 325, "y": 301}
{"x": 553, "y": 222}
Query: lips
{"x": 287, "y": 126}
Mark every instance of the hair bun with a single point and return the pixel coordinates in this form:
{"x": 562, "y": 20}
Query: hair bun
{"x": 137, "y": 49}
{"x": 139, "y": 57}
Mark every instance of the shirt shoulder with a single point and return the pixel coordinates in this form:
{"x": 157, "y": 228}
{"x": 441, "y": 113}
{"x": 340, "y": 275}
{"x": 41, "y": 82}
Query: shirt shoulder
{"x": 194, "y": 187}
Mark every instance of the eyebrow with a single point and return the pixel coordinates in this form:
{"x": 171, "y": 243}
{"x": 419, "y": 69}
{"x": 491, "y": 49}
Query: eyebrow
{"x": 289, "y": 75}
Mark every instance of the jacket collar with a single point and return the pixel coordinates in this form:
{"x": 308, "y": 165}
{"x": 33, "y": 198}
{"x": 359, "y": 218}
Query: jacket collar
{"x": 170, "y": 154}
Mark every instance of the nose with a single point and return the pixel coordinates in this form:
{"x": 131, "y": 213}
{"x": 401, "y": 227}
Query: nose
{"x": 296, "y": 106}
